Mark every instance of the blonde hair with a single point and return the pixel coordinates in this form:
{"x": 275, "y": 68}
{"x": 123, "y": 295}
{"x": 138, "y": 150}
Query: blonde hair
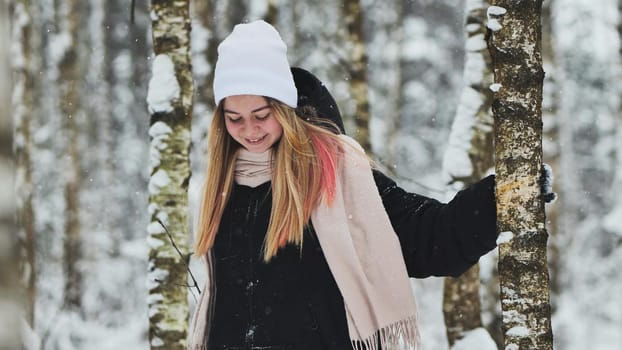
{"x": 305, "y": 170}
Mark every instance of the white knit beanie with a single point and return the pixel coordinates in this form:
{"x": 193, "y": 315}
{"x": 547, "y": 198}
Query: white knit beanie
{"x": 252, "y": 60}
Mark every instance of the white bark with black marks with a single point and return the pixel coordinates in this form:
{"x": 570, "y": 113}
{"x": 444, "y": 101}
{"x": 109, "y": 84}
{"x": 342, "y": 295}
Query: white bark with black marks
{"x": 170, "y": 100}
{"x": 515, "y": 48}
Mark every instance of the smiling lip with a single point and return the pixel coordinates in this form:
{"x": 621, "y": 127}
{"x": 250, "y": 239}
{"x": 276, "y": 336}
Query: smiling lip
{"x": 256, "y": 141}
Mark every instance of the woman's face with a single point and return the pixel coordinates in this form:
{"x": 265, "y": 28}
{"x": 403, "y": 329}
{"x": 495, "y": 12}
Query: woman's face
{"x": 251, "y": 122}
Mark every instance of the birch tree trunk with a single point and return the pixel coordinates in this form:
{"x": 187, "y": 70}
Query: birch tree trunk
{"x": 22, "y": 103}
{"x": 461, "y": 305}
{"x": 515, "y": 48}
{"x": 470, "y": 143}
{"x": 105, "y": 104}
{"x": 272, "y": 12}
{"x": 170, "y": 101}
{"x": 69, "y": 86}
{"x": 396, "y": 91}
{"x": 9, "y": 292}
{"x": 206, "y": 15}
{"x": 120, "y": 98}
{"x": 236, "y": 12}
{"x": 357, "y": 70}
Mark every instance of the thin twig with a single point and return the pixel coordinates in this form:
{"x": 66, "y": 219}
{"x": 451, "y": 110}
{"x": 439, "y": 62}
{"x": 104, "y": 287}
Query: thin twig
{"x": 409, "y": 180}
{"x": 180, "y": 285}
{"x": 170, "y": 237}
{"x": 48, "y": 329}
{"x": 132, "y": 9}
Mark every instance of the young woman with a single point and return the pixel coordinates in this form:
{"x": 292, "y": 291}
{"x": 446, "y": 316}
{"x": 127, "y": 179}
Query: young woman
{"x": 307, "y": 246}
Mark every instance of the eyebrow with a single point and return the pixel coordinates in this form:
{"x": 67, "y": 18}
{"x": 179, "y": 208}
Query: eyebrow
{"x": 253, "y": 111}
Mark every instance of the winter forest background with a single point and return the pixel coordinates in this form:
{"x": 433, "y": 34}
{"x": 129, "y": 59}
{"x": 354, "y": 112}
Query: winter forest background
{"x": 82, "y": 144}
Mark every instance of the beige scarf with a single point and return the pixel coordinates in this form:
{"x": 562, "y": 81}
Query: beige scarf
{"x": 362, "y": 251}
{"x": 253, "y": 169}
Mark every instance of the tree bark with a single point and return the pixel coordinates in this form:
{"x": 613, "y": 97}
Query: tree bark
{"x": 461, "y": 298}
{"x": 69, "y": 86}
{"x": 470, "y": 140}
{"x": 112, "y": 216}
{"x": 461, "y": 304}
{"x": 396, "y": 92}
{"x": 236, "y": 12}
{"x": 515, "y": 47}
{"x": 170, "y": 174}
{"x": 121, "y": 96}
{"x": 205, "y": 11}
{"x": 357, "y": 70}
{"x": 10, "y": 299}
{"x": 23, "y": 105}
{"x": 272, "y": 13}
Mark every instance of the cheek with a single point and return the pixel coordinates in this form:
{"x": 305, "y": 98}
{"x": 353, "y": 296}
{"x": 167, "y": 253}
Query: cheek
{"x": 276, "y": 128}
{"x": 279, "y": 131}
{"x": 231, "y": 128}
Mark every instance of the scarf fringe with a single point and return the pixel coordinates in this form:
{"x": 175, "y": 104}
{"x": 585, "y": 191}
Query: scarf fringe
{"x": 401, "y": 335}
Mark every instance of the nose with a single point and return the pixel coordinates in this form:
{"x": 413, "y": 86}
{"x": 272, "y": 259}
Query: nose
{"x": 253, "y": 124}
{"x": 250, "y": 126}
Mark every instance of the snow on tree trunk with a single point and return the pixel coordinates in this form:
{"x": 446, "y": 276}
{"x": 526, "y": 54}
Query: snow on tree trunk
{"x": 105, "y": 104}
{"x": 616, "y": 212}
{"x": 69, "y": 104}
{"x": 515, "y": 45}
{"x": 612, "y": 222}
{"x": 10, "y": 298}
{"x": 357, "y": 70}
{"x": 170, "y": 100}
{"x": 467, "y": 159}
{"x": 22, "y": 103}
{"x": 469, "y": 153}
{"x": 127, "y": 78}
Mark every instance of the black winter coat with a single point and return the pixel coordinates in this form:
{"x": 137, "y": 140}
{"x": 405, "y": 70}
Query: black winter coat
{"x": 293, "y": 302}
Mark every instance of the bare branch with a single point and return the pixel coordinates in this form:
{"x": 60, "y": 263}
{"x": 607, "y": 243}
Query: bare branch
{"x": 183, "y": 258}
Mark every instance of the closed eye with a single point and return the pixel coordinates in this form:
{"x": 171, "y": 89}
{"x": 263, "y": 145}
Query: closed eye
{"x": 234, "y": 119}
{"x": 262, "y": 117}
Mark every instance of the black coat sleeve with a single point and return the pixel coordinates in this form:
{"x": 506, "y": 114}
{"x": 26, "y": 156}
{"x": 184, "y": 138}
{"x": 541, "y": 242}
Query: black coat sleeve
{"x": 440, "y": 239}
